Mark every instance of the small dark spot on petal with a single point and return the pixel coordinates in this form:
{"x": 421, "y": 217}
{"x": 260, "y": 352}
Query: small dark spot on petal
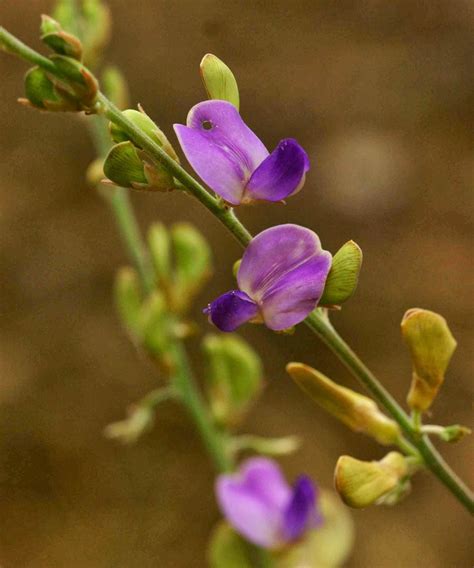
{"x": 207, "y": 124}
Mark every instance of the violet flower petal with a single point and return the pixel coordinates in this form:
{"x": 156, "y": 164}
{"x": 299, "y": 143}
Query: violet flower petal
{"x": 296, "y": 294}
{"x": 284, "y": 270}
{"x": 253, "y": 501}
{"x": 280, "y": 175}
{"x": 300, "y": 513}
{"x": 232, "y": 309}
{"x": 221, "y": 148}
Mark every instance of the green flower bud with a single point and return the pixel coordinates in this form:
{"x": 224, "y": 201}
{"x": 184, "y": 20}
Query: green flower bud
{"x": 342, "y": 279}
{"x": 125, "y": 167}
{"x": 431, "y": 346}
{"x": 142, "y": 121}
{"x": 264, "y": 446}
{"x": 128, "y": 298}
{"x": 454, "y": 433}
{"x": 41, "y": 93}
{"x": 159, "y": 243}
{"x": 156, "y": 327}
{"x": 219, "y": 80}
{"x": 115, "y": 86}
{"x": 193, "y": 266}
{"x": 355, "y": 410}
{"x": 234, "y": 377}
{"x": 95, "y": 172}
{"x": 59, "y": 40}
{"x": 361, "y": 483}
{"x": 140, "y": 420}
{"x": 96, "y": 26}
{"x": 78, "y": 81}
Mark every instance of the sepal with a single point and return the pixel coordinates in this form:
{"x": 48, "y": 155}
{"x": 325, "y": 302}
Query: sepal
{"x": 142, "y": 121}
{"x": 343, "y": 276}
{"x": 128, "y": 167}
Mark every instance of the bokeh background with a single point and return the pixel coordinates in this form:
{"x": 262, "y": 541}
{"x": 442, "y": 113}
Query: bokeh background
{"x": 380, "y": 93}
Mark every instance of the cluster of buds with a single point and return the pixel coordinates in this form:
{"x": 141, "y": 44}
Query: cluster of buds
{"x": 71, "y": 87}
{"x": 362, "y": 483}
{"x": 127, "y": 165}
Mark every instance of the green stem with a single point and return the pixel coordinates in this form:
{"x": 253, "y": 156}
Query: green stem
{"x": 317, "y": 323}
{"x": 185, "y": 385}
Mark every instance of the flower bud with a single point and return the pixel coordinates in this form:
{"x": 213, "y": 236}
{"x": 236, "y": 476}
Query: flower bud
{"x": 431, "y": 346}
{"x": 41, "y": 93}
{"x": 140, "y": 419}
{"x": 128, "y": 298}
{"x": 193, "y": 265}
{"x": 361, "y": 483}
{"x": 155, "y": 326}
{"x": 159, "y": 243}
{"x": 115, "y": 86}
{"x": 125, "y": 167}
{"x": 78, "y": 81}
{"x": 355, "y": 410}
{"x": 342, "y": 279}
{"x": 58, "y": 40}
{"x": 219, "y": 80}
{"x": 454, "y": 433}
{"x": 234, "y": 377}
{"x": 142, "y": 121}
{"x": 96, "y": 24}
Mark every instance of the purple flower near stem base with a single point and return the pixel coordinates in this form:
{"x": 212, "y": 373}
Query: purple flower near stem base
{"x": 260, "y": 505}
{"x": 281, "y": 279}
{"x": 233, "y": 161}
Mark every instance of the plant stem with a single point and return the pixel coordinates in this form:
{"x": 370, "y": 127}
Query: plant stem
{"x": 184, "y": 384}
{"x": 317, "y": 323}
{"x": 191, "y": 397}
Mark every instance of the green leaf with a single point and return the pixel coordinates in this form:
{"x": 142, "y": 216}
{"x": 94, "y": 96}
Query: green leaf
{"x": 219, "y": 80}
{"x": 342, "y": 279}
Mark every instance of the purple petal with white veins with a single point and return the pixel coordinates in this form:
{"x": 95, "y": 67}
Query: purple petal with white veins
{"x": 254, "y": 501}
{"x": 232, "y": 309}
{"x": 280, "y": 175}
{"x": 296, "y": 294}
{"x": 284, "y": 270}
{"x": 300, "y": 513}
{"x": 221, "y": 148}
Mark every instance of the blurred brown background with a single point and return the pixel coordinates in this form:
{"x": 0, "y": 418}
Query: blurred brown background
{"x": 380, "y": 94}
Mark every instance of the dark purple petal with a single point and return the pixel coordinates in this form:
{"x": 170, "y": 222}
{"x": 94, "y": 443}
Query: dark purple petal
{"x": 280, "y": 175}
{"x": 300, "y": 513}
{"x": 284, "y": 271}
{"x": 254, "y": 500}
{"x": 231, "y": 309}
{"x": 221, "y": 148}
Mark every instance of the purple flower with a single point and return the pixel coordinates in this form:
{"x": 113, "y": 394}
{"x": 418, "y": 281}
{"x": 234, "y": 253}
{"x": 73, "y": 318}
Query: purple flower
{"x": 281, "y": 279}
{"x": 233, "y": 161}
{"x": 260, "y": 505}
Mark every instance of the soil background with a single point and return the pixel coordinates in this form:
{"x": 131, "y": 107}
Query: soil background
{"x": 381, "y": 96}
